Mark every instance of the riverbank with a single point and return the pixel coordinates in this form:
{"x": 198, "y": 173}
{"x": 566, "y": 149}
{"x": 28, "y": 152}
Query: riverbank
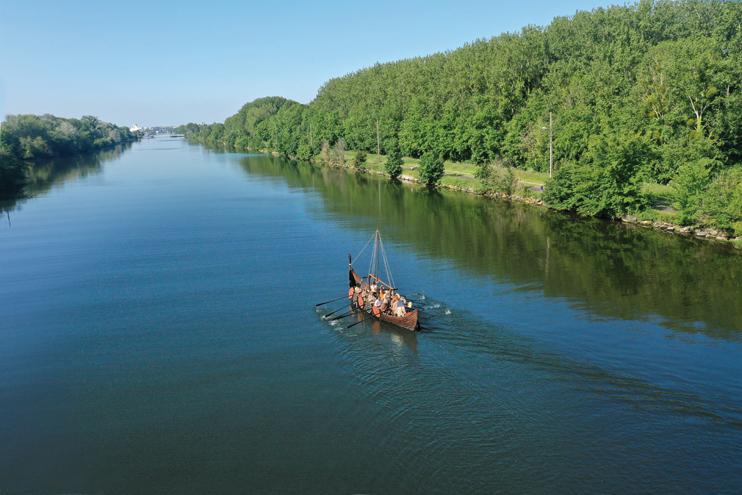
{"x": 14, "y": 172}
{"x": 25, "y": 139}
{"x": 460, "y": 179}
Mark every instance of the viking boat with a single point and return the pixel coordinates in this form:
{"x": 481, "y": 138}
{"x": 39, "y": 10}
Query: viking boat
{"x": 410, "y": 319}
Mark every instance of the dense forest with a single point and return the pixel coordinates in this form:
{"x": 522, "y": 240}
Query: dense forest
{"x": 642, "y": 93}
{"x": 30, "y": 137}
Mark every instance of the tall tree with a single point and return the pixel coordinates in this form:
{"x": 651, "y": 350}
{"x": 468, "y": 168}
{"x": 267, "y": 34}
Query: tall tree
{"x": 431, "y": 168}
{"x": 394, "y": 160}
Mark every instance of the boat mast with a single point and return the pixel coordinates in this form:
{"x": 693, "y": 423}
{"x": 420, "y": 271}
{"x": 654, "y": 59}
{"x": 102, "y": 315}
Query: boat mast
{"x": 376, "y": 250}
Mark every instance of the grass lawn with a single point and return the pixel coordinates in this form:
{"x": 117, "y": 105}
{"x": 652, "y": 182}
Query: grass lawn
{"x": 532, "y": 178}
{"x": 463, "y": 172}
{"x": 663, "y": 194}
{"x": 462, "y": 175}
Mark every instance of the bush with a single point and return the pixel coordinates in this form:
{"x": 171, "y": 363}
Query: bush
{"x": 338, "y": 153}
{"x": 498, "y": 176}
{"x": 690, "y": 182}
{"x": 722, "y": 202}
{"x": 604, "y": 183}
{"x": 394, "y": 160}
{"x": 324, "y": 153}
{"x": 255, "y": 143}
{"x": 304, "y": 152}
{"x": 431, "y": 168}
{"x": 359, "y": 160}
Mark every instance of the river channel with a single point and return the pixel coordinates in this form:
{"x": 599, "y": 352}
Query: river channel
{"x": 159, "y": 334}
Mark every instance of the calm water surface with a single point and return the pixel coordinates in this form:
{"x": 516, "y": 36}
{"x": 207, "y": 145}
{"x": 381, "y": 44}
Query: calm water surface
{"x": 158, "y": 334}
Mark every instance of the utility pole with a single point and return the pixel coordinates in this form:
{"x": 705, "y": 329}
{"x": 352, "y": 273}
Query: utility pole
{"x": 378, "y": 143}
{"x": 551, "y": 149}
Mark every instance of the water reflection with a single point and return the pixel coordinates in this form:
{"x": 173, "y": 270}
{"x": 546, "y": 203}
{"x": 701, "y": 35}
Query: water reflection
{"x": 605, "y": 268}
{"x": 44, "y": 175}
{"x": 358, "y": 325}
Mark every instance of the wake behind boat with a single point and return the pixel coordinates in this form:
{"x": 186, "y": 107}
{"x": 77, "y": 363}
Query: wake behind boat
{"x": 377, "y": 298}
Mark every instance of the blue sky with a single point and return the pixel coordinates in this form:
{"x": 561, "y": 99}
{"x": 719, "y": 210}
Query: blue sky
{"x": 170, "y": 63}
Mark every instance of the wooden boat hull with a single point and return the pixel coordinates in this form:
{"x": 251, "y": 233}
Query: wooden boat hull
{"x": 409, "y": 321}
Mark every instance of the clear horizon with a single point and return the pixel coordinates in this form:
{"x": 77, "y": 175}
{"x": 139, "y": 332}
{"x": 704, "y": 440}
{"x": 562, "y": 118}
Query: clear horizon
{"x": 158, "y": 64}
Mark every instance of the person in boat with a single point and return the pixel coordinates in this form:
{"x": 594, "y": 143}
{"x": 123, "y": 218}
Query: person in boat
{"x": 377, "y": 307}
{"x": 353, "y": 296}
{"x": 384, "y": 304}
{"x": 399, "y": 309}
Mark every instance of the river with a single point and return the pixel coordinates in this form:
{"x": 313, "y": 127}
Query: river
{"x": 159, "y": 334}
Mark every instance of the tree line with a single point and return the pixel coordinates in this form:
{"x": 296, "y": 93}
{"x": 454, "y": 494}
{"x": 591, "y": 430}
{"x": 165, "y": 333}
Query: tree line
{"x": 641, "y": 93}
{"x": 30, "y": 137}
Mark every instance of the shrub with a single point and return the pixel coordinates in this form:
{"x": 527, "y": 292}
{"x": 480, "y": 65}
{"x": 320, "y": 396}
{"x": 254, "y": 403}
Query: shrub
{"x": 431, "y": 168}
{"x": 338, "y": 153}
{"x": 359, "y": 160}
{"x": 722, "y": 202}
{"x": 324, "y": 153}
{"x": 604, "y": 183}
{"x": 498, "y": 176}
{"x": 394, "y": 160}
{"x": 304, "y": 152}
{"x": 690, "y": 182}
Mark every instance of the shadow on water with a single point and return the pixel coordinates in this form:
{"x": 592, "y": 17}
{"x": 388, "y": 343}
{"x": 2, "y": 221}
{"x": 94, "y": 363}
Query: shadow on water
{"x": 361, "y": 326}
{"x": 44, "y": 175}
{"x": 605, "y": 268}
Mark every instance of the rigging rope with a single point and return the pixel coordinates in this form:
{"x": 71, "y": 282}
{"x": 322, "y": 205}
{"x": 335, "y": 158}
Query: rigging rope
{"x": 374, "y": 253}
{"x": 386, "y": 264}
{"x": 364, "y": 247}
{"x": 378, "y": 248}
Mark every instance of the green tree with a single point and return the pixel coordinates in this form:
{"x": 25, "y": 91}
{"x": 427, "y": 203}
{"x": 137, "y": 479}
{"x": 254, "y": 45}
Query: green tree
{"x": 304, "y": 152}
{"x": 394, "y": 160}
{"x": 690, "y": 183}
{"x": 668, "y": 71}
{"x": 605, "y": 182}
{"x": 722, "y": 202}
{"x": 431, "y": 168}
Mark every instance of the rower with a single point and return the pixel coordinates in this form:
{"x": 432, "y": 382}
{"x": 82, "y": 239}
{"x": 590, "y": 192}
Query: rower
{"x": 377, "y": 307}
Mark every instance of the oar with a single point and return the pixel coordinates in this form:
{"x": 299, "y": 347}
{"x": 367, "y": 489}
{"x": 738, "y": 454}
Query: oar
{"x": 356, "y": 323}
{"x": 339, "y": 298}
{"x": 343, "y": 315}
{"x": 341, "y": 307}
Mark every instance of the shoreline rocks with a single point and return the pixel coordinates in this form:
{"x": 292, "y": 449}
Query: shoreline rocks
{"x": 703, "y": 234}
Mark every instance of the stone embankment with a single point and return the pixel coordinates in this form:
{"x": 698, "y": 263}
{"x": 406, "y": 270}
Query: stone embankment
{"x": 699, "y": 233}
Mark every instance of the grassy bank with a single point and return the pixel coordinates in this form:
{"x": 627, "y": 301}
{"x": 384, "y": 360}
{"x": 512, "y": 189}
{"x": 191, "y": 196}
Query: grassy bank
{"x": 663, "y": 215}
